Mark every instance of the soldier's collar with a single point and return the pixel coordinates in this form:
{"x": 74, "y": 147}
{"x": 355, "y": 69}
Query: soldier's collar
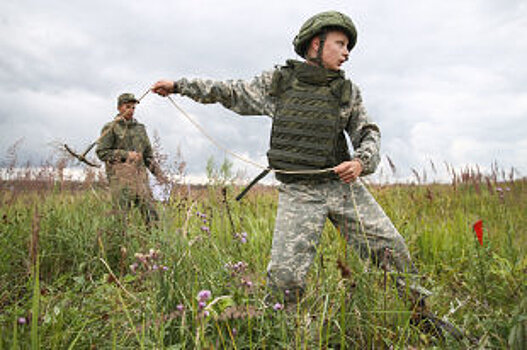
{"x": 313, "y": 74}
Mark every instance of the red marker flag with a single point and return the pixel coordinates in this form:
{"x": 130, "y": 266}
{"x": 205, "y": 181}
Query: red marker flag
{"x": 478, "y": 228}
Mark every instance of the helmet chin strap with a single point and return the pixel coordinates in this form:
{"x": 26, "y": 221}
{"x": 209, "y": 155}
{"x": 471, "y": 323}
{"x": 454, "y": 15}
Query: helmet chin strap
{"x": 318, "y": 59}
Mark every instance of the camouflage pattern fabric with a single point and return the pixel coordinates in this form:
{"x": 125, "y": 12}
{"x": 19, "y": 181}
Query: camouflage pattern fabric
{"x": 304, "y": 206}
{"x": 253, "y": 98}
{"x": 302, "y": 211}
{"x": 128, "y": 180}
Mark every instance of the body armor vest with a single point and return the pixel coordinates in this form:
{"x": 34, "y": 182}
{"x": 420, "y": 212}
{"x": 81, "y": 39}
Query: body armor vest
{"x": 307, "y": 132}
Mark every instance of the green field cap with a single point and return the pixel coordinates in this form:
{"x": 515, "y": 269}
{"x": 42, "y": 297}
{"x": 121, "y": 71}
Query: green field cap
{"x": 125, "y": 98}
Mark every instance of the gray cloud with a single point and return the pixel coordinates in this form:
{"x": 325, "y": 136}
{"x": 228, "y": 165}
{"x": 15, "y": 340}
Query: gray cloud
{"x": 445, "y": 80}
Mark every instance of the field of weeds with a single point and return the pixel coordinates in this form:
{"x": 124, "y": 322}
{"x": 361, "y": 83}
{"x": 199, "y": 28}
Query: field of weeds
{"x": 73, "y": 275}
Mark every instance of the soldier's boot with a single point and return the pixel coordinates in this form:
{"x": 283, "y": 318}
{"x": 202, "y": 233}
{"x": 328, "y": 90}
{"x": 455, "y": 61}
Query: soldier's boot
{"x": 427, "y": 322}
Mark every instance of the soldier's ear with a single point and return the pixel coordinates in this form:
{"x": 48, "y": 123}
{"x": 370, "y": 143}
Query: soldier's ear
{"x": 312, "y": 49}
{"x": 315, "y": 43}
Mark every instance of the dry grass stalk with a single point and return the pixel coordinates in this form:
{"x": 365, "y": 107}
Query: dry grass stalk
{"x": 33, "y": 243}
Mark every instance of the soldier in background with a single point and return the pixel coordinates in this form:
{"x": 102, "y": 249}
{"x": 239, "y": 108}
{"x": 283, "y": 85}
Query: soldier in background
{"x": 126, "y": 150}
{"x": 313, "y": 105}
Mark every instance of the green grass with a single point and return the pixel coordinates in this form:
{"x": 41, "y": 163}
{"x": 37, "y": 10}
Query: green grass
{"x": 87, "y": 296}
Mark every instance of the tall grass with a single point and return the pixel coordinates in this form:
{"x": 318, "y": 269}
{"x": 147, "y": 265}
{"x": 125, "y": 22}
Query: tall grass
{"x": 74, "y": 275}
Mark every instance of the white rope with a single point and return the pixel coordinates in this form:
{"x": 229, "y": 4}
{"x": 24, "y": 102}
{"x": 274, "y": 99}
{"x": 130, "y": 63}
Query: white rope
{"x": 242, "y": 158}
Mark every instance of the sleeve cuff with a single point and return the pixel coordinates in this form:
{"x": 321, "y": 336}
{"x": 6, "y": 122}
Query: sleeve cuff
{"x": 360, "y": 161}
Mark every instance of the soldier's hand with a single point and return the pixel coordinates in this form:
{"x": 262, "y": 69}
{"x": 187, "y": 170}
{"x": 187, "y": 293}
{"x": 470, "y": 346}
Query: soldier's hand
{"x": 134, "y": 157}
{"x": 163, "y": 87}
{"x": 162, "y": 179}
{"x": 348, "y": 171}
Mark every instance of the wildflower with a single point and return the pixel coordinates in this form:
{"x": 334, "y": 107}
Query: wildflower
{"x": 155, "y": 267}
{"x": 286, "y": 292}
{"x": 141, "y": 257}
{"x": 248, "y": 284}
{"x": 204, "y": 295}
{"x": 22, "y": 320}
{"x": 133, "y": 267}
{"x": 180, "y": 307}
{"x": 206, "y": 313}
{"x": 154, "y": 254}
{"x": 240, "y": 266}
{"x": 234, "y": 331}
{"x": 164, "y": 268}
{"x": 236, "y": 268}
{"x": 242, "y": 237}
{"x": 205, "y": 229}
{"x": 202, "y": 304}
{"x": 278, "y": 306}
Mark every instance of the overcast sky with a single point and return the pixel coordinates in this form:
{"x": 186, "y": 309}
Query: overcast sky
{"x": 445, "y": 80}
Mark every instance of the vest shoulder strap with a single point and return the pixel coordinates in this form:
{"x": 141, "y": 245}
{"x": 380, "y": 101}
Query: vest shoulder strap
{"x": 282, "y": 78}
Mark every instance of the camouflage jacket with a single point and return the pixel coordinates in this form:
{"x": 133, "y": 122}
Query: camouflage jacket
{"x": 253, "y": 98}
{"x": 125, "y": 136}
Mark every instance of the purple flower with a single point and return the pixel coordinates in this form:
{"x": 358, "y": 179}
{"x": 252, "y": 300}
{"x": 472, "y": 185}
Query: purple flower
{"x": 180, "y": 307}
{"x": 202, "y": 304}
{"x": 164, "y": 268}
{"x": 240, "y": 266}
{"x": 155, "y": 267}
{"x": 286, "y": 292}
{"x": 278, "y": 306}
{"x": 133, "y": 267}
{"x": 204, "y": 295}
{"x": 140, "y": 257}
{"x": 242, "y": 237}
{"x": 206, "y": 313}
{"x": 205, "y": 229}
{"x": 22, "y": 320}
{"x": 234, "y": 331}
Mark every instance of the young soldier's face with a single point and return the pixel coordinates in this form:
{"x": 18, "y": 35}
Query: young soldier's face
{"x": 335, "y": 51}
{"x": 127, "y": 110}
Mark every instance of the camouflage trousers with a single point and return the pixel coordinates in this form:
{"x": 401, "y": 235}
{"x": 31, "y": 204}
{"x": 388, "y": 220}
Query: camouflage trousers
{"x": 129, "y": 188}
{"x": 302, "y": 211}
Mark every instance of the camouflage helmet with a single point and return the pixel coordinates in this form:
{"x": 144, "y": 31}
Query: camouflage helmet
{"x": 314, "y": 26}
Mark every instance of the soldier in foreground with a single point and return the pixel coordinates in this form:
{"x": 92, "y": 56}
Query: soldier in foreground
{"x": 126, "y": 150}
{"x": 313, "y": 105}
